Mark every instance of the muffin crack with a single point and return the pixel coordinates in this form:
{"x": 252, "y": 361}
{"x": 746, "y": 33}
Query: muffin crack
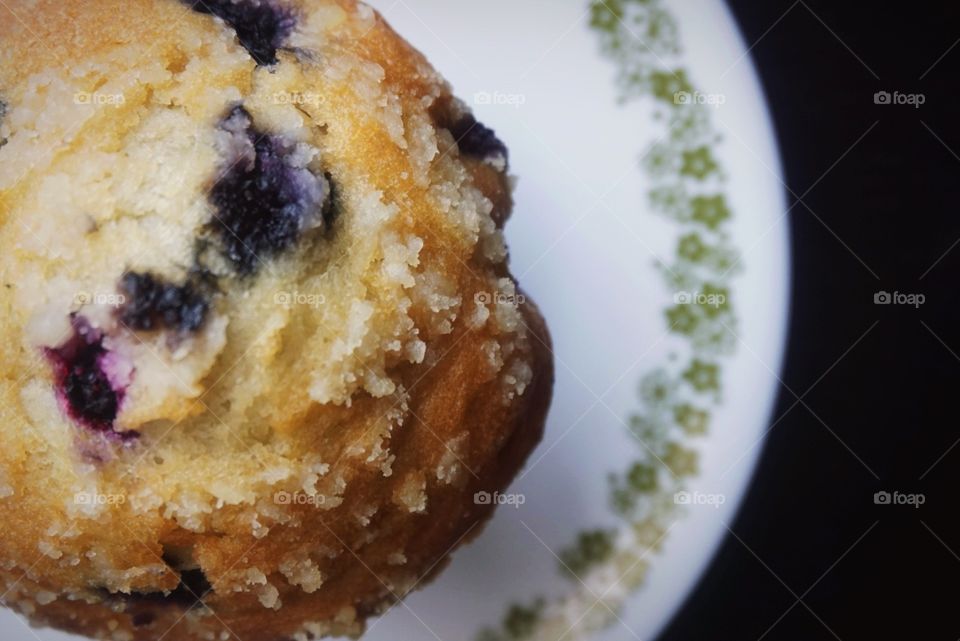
{"x": 192, "y": 588}
{"x": 3, "y": 114}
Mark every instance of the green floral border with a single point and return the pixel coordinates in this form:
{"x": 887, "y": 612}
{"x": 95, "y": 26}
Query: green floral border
{"x": 676, "y": 401}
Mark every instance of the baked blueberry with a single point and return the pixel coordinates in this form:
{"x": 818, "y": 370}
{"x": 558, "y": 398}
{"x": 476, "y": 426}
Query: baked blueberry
{"x": 152, "y": 303}
{"x": 476, "y": 139}
{"x": 262, "y": 26}
{"x": 81, "y": 379}
{"x": 266, "y": 198}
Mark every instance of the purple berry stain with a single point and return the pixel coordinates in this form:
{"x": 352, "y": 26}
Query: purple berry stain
{"x": 476, "y": 139}
{"x": 152, "y": 303}
{"x": 268, "y": 198}
{"x": 261, "y": 25}
{"x": 82, "y": 368}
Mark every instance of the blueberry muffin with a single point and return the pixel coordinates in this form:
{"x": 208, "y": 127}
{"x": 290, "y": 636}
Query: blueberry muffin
{"x": 260, "y": 345}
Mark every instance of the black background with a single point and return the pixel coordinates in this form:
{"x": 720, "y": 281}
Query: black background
{"x": 878, "y": 382}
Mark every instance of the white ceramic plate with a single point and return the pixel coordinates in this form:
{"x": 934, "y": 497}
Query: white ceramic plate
{"x": 647, "y": 169}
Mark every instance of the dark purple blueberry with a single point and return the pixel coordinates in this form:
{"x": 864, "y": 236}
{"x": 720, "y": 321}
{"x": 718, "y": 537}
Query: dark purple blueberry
{"x": 266, "y": 199}
{"x": 152, "y": 303}
{"x": 476, "y": 139}
{"x": 262, "y": 26}
{"x": 82, "y": 383}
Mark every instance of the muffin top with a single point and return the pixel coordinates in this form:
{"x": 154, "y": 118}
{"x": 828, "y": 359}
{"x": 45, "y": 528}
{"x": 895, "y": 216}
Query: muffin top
{"x": 250, "y": 249}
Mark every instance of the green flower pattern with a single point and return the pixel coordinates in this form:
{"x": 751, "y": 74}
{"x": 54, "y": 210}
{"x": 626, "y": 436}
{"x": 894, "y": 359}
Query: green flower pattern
{"x": 675, "y": 401}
